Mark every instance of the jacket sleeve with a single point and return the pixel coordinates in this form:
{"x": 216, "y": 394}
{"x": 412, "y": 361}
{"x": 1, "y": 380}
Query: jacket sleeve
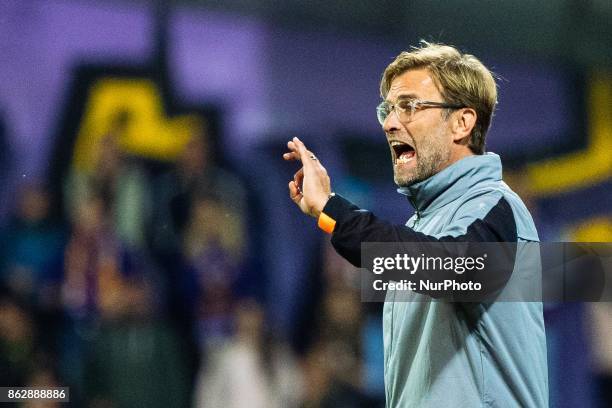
{"x": 355, "y": 226}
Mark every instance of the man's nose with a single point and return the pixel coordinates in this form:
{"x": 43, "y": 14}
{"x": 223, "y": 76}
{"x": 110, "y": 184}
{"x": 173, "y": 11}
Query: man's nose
{"x": 392, "y": 122}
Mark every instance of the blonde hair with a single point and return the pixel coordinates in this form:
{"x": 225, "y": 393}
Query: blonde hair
{"x": 461, "y": 79}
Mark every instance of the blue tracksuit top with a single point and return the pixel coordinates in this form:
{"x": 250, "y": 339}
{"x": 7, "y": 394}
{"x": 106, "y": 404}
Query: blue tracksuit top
{"x": 449, "y": 354}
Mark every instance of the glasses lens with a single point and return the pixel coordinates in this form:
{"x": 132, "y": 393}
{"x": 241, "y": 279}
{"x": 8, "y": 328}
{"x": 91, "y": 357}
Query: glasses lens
{"x": 382, "y": 111}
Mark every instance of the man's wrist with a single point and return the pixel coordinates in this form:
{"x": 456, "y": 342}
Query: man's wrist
{"x": 324, "y": 221}
{"x": 338, "y": 208}
{"x": 318, "y": 209}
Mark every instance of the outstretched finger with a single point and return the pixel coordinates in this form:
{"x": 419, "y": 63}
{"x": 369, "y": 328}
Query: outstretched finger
{"x": 307, "y": 157}
{"x": 290, "y": 156}
{"x": 293, "y": 154}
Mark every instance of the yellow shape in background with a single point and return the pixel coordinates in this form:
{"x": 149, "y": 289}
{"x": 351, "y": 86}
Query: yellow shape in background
{"x": 149, "y": 133}
{"x": 587, "y": 167}
{"x": 593, "y": 230}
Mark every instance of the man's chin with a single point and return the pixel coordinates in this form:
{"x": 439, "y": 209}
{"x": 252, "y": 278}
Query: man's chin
{"x": 409, "y": 180}
{"x": 405, "y": 182}
{"x": 405, "y": 174}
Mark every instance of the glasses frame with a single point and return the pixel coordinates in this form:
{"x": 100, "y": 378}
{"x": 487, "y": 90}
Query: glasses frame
{"x": 384, "y": 109}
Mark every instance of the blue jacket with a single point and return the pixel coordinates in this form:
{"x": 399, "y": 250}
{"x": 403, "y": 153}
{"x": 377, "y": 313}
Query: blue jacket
{"x": 449, "y": 354}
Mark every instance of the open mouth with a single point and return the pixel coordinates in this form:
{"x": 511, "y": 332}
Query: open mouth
{"x": 403, "y": 152}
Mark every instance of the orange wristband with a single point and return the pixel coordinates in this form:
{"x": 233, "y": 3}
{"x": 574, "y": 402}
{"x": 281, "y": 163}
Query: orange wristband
{"x": 326, "y": 223}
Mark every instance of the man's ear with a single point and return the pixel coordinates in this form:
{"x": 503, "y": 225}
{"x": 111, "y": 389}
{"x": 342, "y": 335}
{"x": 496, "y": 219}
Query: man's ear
{"x": 463, "y": 122}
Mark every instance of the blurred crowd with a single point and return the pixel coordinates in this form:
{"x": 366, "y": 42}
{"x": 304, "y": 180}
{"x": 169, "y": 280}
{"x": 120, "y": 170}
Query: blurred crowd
{"x": 133, "y": 287}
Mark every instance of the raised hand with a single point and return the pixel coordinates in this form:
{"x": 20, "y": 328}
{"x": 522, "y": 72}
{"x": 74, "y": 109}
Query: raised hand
{"x": 310, "y": 187}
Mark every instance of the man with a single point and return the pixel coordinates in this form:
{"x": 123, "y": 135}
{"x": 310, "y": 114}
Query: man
{"x": 437, "y": 107}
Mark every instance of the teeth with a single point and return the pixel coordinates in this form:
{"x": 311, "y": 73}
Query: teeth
{"x": 403, "y": 160}
{"x": 397, "y": 143}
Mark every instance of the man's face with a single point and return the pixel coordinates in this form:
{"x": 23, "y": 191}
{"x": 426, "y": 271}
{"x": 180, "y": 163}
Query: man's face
{"x": 422, "y": 146}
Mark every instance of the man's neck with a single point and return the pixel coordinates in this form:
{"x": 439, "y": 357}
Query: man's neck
{"x": 456, "y": 155}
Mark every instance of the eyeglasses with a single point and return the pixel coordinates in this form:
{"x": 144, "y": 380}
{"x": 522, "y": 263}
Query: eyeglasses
{"x": 405, "y": 108}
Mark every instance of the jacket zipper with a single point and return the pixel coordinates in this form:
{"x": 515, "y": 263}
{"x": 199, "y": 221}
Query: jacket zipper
{"x": 418, "y": 213}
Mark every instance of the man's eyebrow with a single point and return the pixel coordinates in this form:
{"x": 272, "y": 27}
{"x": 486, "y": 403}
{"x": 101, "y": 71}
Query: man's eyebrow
{"x": 406, "y": 96}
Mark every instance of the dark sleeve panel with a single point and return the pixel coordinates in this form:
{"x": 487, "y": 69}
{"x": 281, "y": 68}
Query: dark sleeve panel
{"x": 354, "y": 226}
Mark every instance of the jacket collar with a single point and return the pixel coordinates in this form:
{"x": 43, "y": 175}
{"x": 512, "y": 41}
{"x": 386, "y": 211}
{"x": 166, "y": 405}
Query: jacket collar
{"x": 452, "y": 182}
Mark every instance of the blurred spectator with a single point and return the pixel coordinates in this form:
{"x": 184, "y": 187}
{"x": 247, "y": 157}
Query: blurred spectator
{"x": 338, "y": 273}
{"x": 118, "y": 180}
{"x": 31, "y": 250}
{"x": 332, "y": 364}
{"x": 322, "y": 389}
{"x": 354, "y": 332}
{"x": 251, "y": 370}
{"x": 317, "y": 377}
{"x": 197, "y": 236}
{"x": 17, "y": 342}
{"x": 601, "y": 333}
{"x": 43, "y": 377}
{"x": 195, "y": 174}
{"x": 96, "y": 265}
{"x": 600, "y": 322}
{"x": 136, "y": 361}
{"x": 118, "y": 352}
{"x": 341, "y": 330}
{"x": 373, "y": 356}
{"x": 214, "y": 249}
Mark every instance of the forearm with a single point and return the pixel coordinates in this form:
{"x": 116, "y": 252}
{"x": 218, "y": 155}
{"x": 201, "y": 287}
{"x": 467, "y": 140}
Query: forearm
{"x": 355, "y": 226}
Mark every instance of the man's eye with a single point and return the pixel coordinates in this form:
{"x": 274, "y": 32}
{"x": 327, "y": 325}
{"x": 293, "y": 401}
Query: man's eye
{"x": 404, "y": 104}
